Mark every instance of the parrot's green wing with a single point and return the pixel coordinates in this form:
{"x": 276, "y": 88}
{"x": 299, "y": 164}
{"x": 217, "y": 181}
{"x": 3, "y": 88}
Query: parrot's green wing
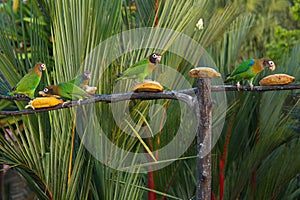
{"x": 135, "y": 70}
{"x": 71, "y": 91}
{"x": 76, "y": 81}
{"x": 28, "y": 84}
{"x": 241, "y": 71}
{"x": 243, "y": 67}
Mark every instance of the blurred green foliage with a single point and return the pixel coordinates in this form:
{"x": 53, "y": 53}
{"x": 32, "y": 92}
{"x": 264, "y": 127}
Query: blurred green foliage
{"x": 285, "y": 38}
{"x": 296, "y": 10}
{"x": 283, "y": 43}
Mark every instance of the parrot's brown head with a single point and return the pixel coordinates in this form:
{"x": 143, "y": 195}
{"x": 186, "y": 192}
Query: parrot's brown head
{"x": 154, "y": 58}
{"x": 40, "y": 66}
{"x": 268, "y": 63}
{"x": 86, "y": 75}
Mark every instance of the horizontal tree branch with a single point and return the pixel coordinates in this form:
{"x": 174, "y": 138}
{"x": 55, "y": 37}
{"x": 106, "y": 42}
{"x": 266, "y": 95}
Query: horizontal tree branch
{"x": 110, "y": 98}
{"x": 220, "y": 88}
{"x": 16, "y": 98}
{"x": 217, "y": 88}
{"x": 182, "y": 95}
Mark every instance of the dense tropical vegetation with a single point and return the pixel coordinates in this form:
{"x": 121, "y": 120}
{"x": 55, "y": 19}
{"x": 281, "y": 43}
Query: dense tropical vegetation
{"x": 257, "y": 153}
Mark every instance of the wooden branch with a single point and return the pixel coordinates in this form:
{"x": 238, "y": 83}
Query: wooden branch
{"x": 217, "y": 88}
{"x": 182, "y": 95}
{"x": 110, "y": 98}
{"x": 220, "y": 88}
{"x": 16, "y": 98}
{"x": 191, "y": 91}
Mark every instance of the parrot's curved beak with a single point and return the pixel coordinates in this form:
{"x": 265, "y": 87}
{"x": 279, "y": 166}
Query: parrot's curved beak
{"x": 42, "y": 93}
{"x": 158, "y": 58}
{"x": 272, "y": 67}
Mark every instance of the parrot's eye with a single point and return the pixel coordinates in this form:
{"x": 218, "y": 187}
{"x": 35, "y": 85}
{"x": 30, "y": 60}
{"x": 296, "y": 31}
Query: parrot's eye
{"x": 271, "y": 63}
{"x": 154, "y": 55}
{"x": 42, "y": 66}
{"x": 45, "y": 90}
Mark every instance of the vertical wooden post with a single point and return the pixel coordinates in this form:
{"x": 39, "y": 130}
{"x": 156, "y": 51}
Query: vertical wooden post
{"x": 204, "y": 116}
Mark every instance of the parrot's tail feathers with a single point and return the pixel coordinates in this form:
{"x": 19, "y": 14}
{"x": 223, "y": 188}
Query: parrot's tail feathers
{"x": 4, "y": 85}
{"x": 9, "y": 93}
{"x": 119, "y": 77}
{"x": 4, "y": 90}
{"x": 3, "y": 81}
{"x": 228, "y": 78}
{"x": 228, "y": 75}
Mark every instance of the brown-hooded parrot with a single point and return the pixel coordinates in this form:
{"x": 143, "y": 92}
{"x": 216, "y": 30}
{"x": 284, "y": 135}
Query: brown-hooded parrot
{"x": 248, "y": 69}
{"x": 28, "y": 84}
{"x": 141, "y": 69}
{"x": 82, "y": 79}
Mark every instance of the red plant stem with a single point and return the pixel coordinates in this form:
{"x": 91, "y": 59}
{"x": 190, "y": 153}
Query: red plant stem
{"x": 213, "y": 196}
{"x": 156, "y": 13}
{"x": 222, "y": 178}
{"x": 223, "y": 158}
{"x": 151, "y": 184}
{"x": 254, "y": 175}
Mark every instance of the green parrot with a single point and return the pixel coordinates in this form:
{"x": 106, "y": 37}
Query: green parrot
{"x": 28, "y": 84}
{"x": 65, "y": 90}
{"x": 141, "y": 69}
{"x": 248, "y": 69}
{"x": 82, "y": 79}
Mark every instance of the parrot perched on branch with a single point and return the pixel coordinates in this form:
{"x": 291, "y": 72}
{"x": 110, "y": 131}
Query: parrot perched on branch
{"x": 82, "y": 79}
{"x": 248, "y": 69}
{"x": 141, "y": 69}
{"x": 28, "y": 84}
{"x": 65, "y": 90}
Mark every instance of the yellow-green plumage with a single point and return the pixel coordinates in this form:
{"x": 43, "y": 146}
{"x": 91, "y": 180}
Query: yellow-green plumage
{"x": 66, "y": 90}
{"x": 28, "y": 84}
{"x": 82, "y": 80}
{"x": 141, "y": 69}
